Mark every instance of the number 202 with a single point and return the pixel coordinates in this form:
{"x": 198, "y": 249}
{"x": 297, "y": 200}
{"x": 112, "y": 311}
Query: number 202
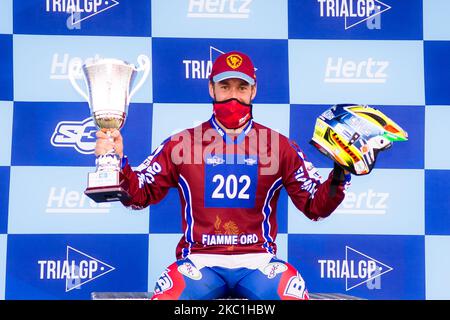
{"x": 231, "y": 184}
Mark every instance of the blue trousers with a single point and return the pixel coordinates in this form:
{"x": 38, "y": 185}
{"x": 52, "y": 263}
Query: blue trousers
{"x": 278, "y": 280}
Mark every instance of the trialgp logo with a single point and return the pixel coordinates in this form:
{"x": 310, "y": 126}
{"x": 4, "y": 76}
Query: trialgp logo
{"x": 354, "y": 12}
{"x": 77, "y": 269}
{"x": 79, "y": 135}
{"x": 79, "y": 10}
{"x": 201, "y": 69}
{"x": 357, "y": 269}
{"x": 222, "y": 9}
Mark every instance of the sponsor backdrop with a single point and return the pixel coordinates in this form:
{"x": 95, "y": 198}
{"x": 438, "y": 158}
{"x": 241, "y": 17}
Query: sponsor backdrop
{"x": 389, "y": 239}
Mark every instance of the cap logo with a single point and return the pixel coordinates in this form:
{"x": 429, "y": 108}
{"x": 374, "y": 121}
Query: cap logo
{"x": 234, "y": 61}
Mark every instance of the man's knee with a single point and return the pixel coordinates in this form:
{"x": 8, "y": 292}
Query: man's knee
{"x": 276, "y": 280}
{"x": 182, "y": 280}
{"x": 292, "y": 286}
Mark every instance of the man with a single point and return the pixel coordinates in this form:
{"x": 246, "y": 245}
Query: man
{"x": 229, "y": 172}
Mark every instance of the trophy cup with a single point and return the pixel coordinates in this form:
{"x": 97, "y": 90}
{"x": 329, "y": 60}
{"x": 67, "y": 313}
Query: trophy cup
{"x": 109, "y": 83}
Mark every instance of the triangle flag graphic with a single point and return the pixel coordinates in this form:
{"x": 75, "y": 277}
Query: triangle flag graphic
{"x": 362, "y": 268}
{"x": 82, "y": 268}
{"x": 77, "y": 17}
{"x": 380, "y": 7}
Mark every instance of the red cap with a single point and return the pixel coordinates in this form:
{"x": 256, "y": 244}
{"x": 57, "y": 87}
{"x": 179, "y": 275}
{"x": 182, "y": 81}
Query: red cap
{"x": 233, "y": 64}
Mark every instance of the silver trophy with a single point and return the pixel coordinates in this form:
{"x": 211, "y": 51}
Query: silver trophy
{"x": 108, "y": 83}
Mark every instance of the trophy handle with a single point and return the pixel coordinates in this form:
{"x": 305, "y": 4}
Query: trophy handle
{"x": 74, "y": 69}
{"x": 144, "y": 65}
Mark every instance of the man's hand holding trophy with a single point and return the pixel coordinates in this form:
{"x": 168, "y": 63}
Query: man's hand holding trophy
{"x": 109, "y": 84}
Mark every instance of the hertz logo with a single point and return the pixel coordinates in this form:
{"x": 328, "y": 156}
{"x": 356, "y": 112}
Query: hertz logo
{"x": 221, "y": 9}
{"x": 349, "y": 71}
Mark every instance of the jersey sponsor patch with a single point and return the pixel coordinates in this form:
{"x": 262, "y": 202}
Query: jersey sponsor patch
{"x": 307, "y": 183}
{"x": 295, "y": 287}
{"x": 229, "y": 239}
{"x": 312, "y": 171}
{"x": 272, "y": 269}
{"x": 164, "y": 282}
{"x": 189, "y": 270}
{"x": 230, "y": 181}
{"x": 147, "y": 176}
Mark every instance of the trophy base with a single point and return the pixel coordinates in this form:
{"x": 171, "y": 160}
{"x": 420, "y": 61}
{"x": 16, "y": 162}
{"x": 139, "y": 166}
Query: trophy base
{"x": 107, "y": 194}
{"x": 106, "y": 186}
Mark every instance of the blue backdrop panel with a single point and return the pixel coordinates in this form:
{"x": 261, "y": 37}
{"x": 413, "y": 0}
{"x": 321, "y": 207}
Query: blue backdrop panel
{"x": 373, "y": 267}
{"x": 381, "y": 20}
{"x": 83, "y": 17}
{"x": 436, "y": 72}
{"x": 4, "y": 198}
{"x": 6, "y": 65}
{"x": 437, "y": 205}
{"x": 71, "y": 266}
{"x": 189, "y": 67}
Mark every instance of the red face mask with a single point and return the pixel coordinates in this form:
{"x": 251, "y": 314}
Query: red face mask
{"x": 232, "y": 113}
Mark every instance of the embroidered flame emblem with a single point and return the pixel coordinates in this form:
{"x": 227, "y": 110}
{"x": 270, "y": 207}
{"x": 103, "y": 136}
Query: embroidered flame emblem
{"x": 234, "y": 61}
{"x": 217, "y": 224}
{"x": 230, "y": 227}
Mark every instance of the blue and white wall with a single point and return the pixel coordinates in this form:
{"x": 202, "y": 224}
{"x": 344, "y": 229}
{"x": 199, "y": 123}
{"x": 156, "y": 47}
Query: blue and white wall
{"x": 309, "y": 55}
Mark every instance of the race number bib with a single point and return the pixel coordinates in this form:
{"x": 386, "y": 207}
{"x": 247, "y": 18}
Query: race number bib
{"x": 230, "y": 181}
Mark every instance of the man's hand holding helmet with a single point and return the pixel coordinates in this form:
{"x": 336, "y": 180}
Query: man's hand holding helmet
{"x": 353, "y": 135}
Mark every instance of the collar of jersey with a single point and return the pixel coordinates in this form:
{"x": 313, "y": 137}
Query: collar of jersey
{"x": 225, "y": 136}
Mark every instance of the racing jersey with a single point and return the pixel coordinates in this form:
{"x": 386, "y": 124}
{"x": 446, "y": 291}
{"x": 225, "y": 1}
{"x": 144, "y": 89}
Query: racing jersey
{"x": 229, "y": 186}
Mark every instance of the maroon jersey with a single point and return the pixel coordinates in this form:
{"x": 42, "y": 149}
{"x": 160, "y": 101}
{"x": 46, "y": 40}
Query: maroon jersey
{"x": 229, "y": 186}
